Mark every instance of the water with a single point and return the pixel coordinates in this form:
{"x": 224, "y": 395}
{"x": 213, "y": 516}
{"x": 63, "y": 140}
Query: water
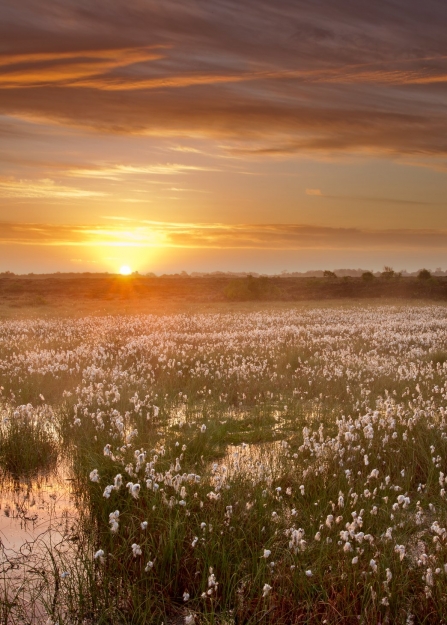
{"x": 260, "y": 462}
{"x": 29, "y": 508}
{"x": 37, "y": 519}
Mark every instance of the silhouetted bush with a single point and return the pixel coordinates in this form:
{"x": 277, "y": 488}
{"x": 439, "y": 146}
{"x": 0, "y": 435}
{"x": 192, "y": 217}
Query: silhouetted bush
{"x": 388, "y": 273}
{"x": 329, "y": 274}
{"x": 424, "y": 274}
{"x": 367, "y": 276}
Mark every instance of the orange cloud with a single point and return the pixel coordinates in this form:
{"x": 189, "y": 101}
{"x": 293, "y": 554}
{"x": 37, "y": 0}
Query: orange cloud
{"x": 67, "y": 68}
{"x": 273, "y": 80}
{"x": 115, "y": 172}
{"x": 148, "y": 234}
{"x": 355, "y": 74}
{"x": 45, "y": 188}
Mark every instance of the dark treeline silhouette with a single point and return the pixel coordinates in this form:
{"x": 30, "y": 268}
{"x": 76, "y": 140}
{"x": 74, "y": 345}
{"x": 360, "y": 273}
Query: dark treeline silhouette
{"x": 312, "y": 273}
{"x": 387, "y": 283}
{"x": 40, "y": 290}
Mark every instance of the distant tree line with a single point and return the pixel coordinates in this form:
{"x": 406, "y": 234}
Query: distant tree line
{"x": 388, "y": 273}
{"x": 387, "y": 283}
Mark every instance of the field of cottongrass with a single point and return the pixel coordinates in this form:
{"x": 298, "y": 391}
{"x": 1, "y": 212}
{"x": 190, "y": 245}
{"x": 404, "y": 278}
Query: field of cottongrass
{"x": 283, "y": 466}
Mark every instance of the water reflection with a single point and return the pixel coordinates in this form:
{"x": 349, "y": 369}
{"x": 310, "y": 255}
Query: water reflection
{"x": 37, "y": 519}
{"x": 259, "y": 462}
{"x": 30, "y": 507}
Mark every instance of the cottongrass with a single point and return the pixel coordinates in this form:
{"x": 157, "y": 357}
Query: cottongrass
{"x": 274, "y": 467}
{"x": 28, "y": 440}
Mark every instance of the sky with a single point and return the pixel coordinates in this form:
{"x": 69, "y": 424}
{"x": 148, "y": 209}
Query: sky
{"x": 238, "y": 135}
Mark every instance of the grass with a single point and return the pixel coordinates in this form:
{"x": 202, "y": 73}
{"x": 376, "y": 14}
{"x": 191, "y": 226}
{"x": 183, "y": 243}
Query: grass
{"x": 28, "y": 442}
{"x": 291, "y": 464}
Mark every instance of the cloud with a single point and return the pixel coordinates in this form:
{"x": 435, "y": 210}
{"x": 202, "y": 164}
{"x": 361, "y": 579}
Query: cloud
{"x": 86, "y": 76}
{"x": 222, "y": 236}
{"x": 184, "y": 148}
{"x": 66, "y": 68}
{"x": 272, "y": 79}
{"x": 45, "y": 188}
{"x": 366, "y": 198}
{"x": 116, "y": 171}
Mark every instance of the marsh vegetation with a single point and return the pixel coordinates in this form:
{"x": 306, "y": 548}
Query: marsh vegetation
{"x": 83, "y": 294}
{"x": 267, "y": 466}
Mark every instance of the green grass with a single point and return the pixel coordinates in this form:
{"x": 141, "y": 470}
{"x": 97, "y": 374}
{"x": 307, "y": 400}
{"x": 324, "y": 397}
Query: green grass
{"x": 28, "y": 441}
{"x": 276, "y": 422}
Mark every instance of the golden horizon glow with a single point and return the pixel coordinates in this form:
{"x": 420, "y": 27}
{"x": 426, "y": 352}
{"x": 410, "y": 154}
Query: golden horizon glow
{"x": 125, "y": 270}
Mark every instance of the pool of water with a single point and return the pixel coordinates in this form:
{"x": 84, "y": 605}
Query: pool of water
{"x": 37, "y": 519}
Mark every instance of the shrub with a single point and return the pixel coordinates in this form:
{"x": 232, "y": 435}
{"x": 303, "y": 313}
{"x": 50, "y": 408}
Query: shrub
{"x": 424, "y": 274}
{"x": 329, "y": 274}
{"x": 388, "y": 273}
{"x": 367, "y": 276}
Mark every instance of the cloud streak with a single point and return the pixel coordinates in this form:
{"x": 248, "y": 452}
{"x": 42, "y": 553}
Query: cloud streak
{"x": 149, "y": 234}
{"x": 66, "y": 68}
{"x": 290, "y": 78}
{"x": 366, "y": 198}
{"x": 45, "y": 188}
{"x": 116, "y": 171}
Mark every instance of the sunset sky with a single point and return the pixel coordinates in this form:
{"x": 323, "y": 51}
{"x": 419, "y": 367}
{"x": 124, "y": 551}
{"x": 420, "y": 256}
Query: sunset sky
{"x": 206, "y": 135}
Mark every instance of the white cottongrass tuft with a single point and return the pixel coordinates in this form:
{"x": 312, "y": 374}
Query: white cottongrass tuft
{"x": 94, "y": 475}
{"x": 136, "y": 550}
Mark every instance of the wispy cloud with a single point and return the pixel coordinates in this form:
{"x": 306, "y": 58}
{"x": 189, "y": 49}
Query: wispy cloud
{"x": 45, "y": 188}
{"x": 273, "y": 80}
{"x": 133, "y": 233}
{"x": 117, "y": 172}
{"x": 349, "y": 75}
{"x": 186, "y": 149}
{"x": 42, "y": 69}
{"x": 367, "y": 199}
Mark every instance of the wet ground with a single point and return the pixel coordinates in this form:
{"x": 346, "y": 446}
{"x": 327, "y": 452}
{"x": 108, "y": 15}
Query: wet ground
{"x": 37, "y": 515}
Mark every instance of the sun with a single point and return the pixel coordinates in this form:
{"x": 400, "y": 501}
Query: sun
{"x": 125, "y": 270}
